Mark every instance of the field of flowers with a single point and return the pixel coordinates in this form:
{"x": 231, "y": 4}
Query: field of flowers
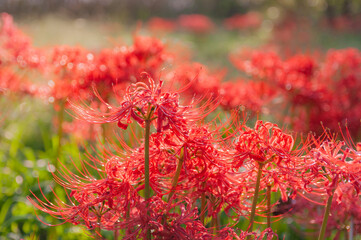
{"x": 186, "y": 128}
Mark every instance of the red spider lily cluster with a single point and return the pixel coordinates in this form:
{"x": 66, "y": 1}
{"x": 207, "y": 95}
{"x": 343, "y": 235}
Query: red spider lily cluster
{"x": 192, "y": 166}
{"x": 194, "y": 170}
{"x": 312, "y": 89}
{"x": 201, "y": 24}
{"x": 189, "y": 165}
{"x": 16, "y": 53}
{"x": 75, "y": 70}
{"x": 305, "y": 89}
{"x": 194, "y": 23}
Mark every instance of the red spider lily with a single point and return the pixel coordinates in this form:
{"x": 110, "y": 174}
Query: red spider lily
{"x": 157, "y": 24}
{"x": 18, "y": 57}
{"x": 201, "y": 142}
{"x": 143, "y": 100}
{"x": 13, "y": 40}
{"x": 331, "y": 162}
{"x": 246, "y": 21}
{"x": 70, "y": 67}
{"x": 125, "y": 63}
{"x": 266, "y": 142}
{"x": 196, "y": 23}
{"x": 16, "y": 47}
{"x": 341, "y": 73}
{"x": 297, "y": 78}
{"x": 101, "y": 201}
{"x": 265, "y": 156}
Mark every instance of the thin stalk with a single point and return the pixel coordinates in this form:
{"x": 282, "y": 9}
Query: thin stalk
{"x": 203, "y": 207}
{"x": 117, "y": 231}
{"x": 60, "y": 116}
{"x": 127, "y": 216}
{"x": 325, "y": 216}
{"x": 116, "y": 234}
{"x": 255, "y": 198}
{"x": 176, "y": 177}
{"x": 215, "y": 224}
{"x": 104, "y": 133}
{"x": 268, "y": 206}
{"x": 60, "y": 130}
{"x": 350, "y": 233}
{"x": 146, "y": 167}
{"x": 146, "y": 160}
{"x": 346, "y": 234}
{"x": 97, "y": 231}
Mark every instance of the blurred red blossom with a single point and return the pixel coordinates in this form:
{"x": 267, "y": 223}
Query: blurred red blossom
{"x": 312, "y": 88}
{"x": 246, "y": 21}
{"x": 156, "y": 24}
{"x": 196, "y": 23}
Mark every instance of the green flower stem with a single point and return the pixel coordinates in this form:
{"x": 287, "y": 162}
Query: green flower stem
{"x": 97, "y": 231}
{"x": 60, "y": 130}
{"x": 127, "y": 216}
{"x": 255, "y": 198}
{"x": 325, "y": 216}
{"x": 146, "y": 166}
{"x": 203, "y": 207}
{"x": 104, "y": 133}
{"x": 215, "y": 225}
{"x": 268, "y": 206}
{"x": 116, "y": 234}
{"x": 350, "y": 235}
{"x": 176, "y": 177}
{"x": 146, "y": 160}
{"x": 52, "y": 231}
